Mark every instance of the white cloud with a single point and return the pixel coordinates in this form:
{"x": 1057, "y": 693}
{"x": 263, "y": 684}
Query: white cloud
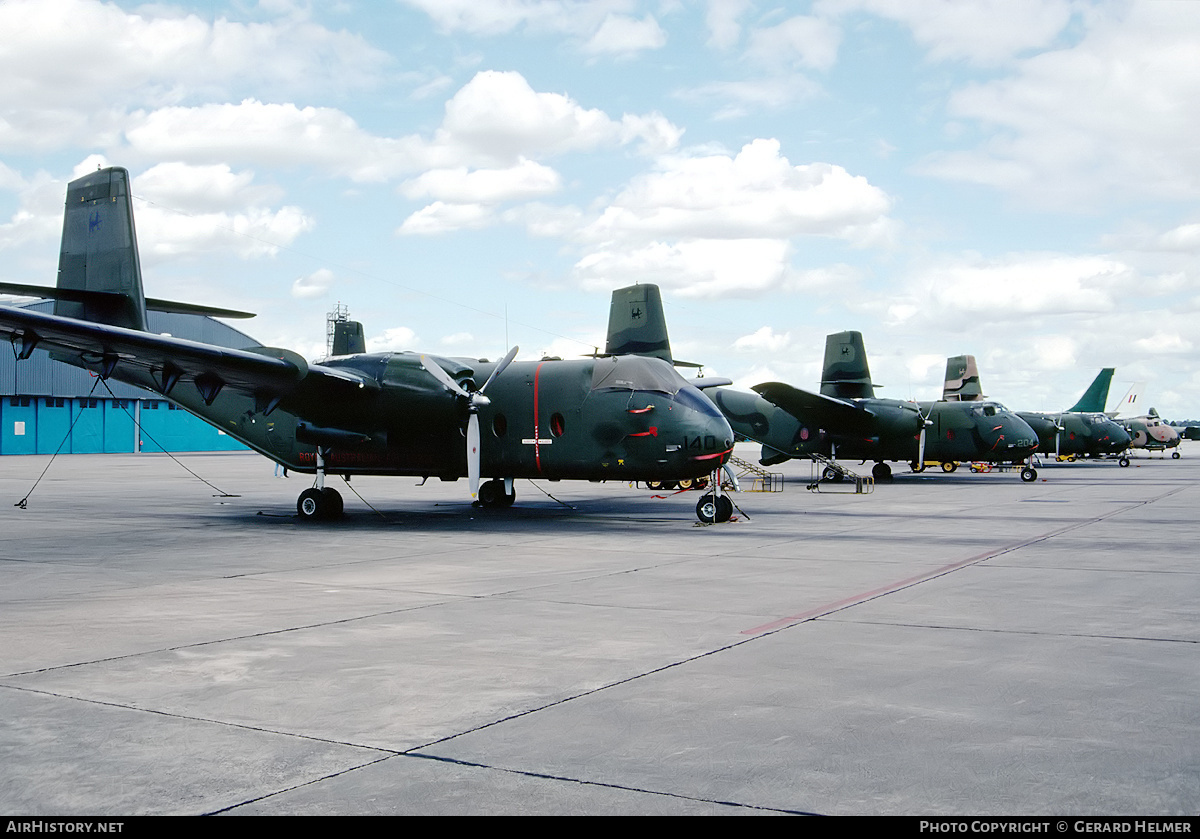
{"x": 272, "y": 134}
{"x": 496, "y": 17}
{"x": 690, "y": 268}
{"x": 1112, "y": 116}
{"x": 497, "y": 118}
{"x": 722, "y": 19}
{"x": 621, "y": 35}
{"x": 201, "y": 188}
{"x": 763, "y": 340}
{"x": 712, "y": 225}
{"x": 440, "y": 217}
{"x": 739, "y": 98}
{"x": 249, "y": 233}
{"x": 458, "y": 340}
{"x": 396, "y": 339}
{"x": 73, "y": 67}
{"x": 313, "y": 285}
{"x": 184, "y": 210}
{"x": 1019, "y": 286}
{"x": 1184, "y": 238}
{"x": 1163, "y": 343}
{"x": 802, "y": 41}
{"x": 755, "y": 194}
{"x": 495, "y": 121}
{"x": 979, "y": 31}
{"x": 523, "y": 181}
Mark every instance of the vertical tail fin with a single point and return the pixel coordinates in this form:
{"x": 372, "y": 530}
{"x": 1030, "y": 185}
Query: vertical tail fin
{"x": 1094, "y": 398}
{"x": 637, "y": 324}
{"x": 99, "y": 276}
{"x": 846, "y": 374}
{"x": 348, "y": 338}
{"x": 962, "y": 380}
{"x": 1130, "y": 405}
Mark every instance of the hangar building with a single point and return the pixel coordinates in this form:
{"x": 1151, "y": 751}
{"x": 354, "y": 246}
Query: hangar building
{"x": 46, "y": 404}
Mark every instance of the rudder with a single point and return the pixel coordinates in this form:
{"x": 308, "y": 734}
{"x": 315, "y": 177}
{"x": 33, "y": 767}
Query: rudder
{"x": 637, "y": 324}
{"x": 845, "y": 374}
{"x": 962, "y": 380}
{"x": 99, "y": 275}
{"x": 1095, "y": 397}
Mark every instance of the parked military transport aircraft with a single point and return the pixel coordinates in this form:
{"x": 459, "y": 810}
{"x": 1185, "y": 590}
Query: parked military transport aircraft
{"x": 1148, "y": 430}
{"x": 845, "y": 420}
{"x": 1065, "y": 434}
{"x": 403, "y": 413}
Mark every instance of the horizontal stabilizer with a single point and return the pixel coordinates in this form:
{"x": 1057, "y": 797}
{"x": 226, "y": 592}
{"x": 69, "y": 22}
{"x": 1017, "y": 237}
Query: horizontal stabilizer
{"x": 817, "y": 410}
{"x": 74, "y": 295}
{"x": 709, "y": 381}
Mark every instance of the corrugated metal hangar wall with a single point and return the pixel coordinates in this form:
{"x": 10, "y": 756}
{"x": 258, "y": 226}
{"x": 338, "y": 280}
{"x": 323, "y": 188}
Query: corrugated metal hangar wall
{"x": 41, "y": 398}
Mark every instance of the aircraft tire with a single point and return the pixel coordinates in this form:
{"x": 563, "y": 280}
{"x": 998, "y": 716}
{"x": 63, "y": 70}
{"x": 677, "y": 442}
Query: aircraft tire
{"x": 1174, "y": 455}
{"x": 1123, "y": 462}
{"x": 491, "y": 494}
{"x": 1028, "y": 474}
{"x": 310, "y": 506}
{"x": 831, "y": 474}
{"x": 949, "y": 466}
{"x": 881, "y": 472}
{"x": 332, "y": 500}
{"x": 712, "y": 509}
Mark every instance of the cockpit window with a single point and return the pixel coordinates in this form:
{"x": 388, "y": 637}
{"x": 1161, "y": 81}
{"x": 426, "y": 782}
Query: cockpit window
{"x": 989, "y": 409}
{"x": 635, "y": 372}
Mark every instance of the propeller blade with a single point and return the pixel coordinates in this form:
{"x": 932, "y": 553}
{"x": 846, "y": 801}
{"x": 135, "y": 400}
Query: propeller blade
{"x": 921, "y": 447}
{"x": 504, "y": 362}
{"x": 442, "y": 376}
{"x": 473, "y": 453}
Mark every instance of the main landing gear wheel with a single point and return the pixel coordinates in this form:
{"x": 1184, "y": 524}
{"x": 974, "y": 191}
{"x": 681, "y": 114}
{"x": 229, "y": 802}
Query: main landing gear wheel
{"x": 832, "y": 475}
{"x": 881, "y": 472}
{"x": 493, "y": 496}
{"x": 1174, "y": 455}
{"x": 1028, "y": 474}
{"x": 714, "y": 509}
{"x": 319, "y": 504}
{"x": 1123, "y": 462}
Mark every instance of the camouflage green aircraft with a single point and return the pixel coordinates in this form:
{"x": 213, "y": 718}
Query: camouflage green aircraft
{"x": 845, "y": 419}
{"x": 402, "y": 413}
{"x": 1079, "y": 431}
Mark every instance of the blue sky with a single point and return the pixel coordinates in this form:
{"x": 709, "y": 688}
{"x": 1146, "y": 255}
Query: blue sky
{"x": 1017, "y": 180}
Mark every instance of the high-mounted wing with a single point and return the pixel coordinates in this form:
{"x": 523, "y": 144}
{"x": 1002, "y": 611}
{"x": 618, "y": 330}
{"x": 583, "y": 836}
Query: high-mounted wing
{"x": 162, "y": 362}
{"x": 817, "y": 410}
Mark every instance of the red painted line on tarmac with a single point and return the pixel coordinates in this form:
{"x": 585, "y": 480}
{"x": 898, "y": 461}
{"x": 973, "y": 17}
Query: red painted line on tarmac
{"x": 863, "y": 597}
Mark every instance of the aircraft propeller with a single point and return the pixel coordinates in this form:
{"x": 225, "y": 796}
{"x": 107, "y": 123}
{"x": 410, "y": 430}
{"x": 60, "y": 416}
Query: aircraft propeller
{"x": 926, "y": 422}
{"x": 475, "y": 401}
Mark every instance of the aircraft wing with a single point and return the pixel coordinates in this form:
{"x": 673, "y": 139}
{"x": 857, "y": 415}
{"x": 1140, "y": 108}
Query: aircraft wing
{"x": 834, "y": 415}
{"x": 131, "y": 355}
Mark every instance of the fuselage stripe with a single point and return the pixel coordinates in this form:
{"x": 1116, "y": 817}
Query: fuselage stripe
{"x": 537, "y": 450}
